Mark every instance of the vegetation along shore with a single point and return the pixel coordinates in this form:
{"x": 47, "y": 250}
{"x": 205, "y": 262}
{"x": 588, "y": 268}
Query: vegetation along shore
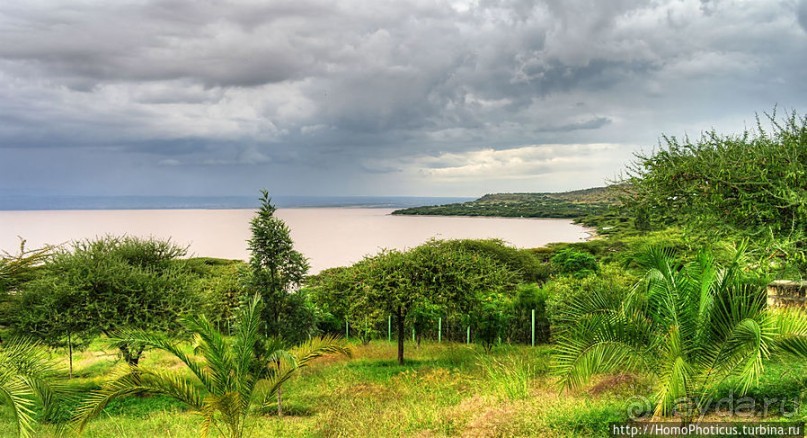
{"x": 664, "y": 317}
{"x": 575, "y": 204}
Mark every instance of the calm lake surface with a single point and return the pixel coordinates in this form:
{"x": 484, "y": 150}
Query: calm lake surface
{"x": 329, "y": 237}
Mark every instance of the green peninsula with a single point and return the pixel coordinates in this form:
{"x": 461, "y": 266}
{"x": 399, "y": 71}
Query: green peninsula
{"x": 575, "y": 204}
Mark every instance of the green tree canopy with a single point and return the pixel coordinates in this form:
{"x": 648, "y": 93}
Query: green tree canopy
{"x": 276, "y": 271}
{"x": 105, "y": 285}
{"x": 21, "y": 267}
{"x": 397, "y": 283}
{"x": 752, "y": 185}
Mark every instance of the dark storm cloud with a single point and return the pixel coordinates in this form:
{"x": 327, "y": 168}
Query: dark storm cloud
{"x": 309, "y": 94}
{"x": 802, "y": 14}
{"x": 215, "y": 44}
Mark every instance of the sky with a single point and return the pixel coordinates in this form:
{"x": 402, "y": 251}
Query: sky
{"x": 375, "y": 97}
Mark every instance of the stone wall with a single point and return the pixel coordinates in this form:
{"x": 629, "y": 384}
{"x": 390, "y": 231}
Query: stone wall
{"x": 784, "y": 293}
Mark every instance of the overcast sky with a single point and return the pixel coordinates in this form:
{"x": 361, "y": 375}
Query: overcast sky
{"x": 423, "y": 97}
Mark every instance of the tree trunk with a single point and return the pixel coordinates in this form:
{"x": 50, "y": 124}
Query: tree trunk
{"x": 280, "y": 402}
{"x": 131, "y": 354}
{"x": 400, "y": 336}
{"x": 132, "y": 357}
{"x": 70, "y": 355}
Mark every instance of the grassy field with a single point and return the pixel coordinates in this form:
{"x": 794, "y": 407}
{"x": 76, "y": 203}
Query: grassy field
{"x": 443, "y": 390}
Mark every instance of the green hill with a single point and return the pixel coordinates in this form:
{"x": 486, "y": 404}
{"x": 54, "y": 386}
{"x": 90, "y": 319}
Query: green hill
{"x": 572, "y": 205}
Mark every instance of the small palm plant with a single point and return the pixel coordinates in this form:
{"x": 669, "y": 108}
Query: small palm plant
{"x": 691, "y": 326}
{"x": 230, "y": 378}
{"x": 25, "y": 380}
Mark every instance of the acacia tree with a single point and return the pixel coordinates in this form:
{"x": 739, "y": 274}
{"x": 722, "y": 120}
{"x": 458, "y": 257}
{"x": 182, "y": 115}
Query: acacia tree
{"x": 109, "y": 284}
{"x": 436, "y": 273}
{"x": 276, "y": 270}
{"x": 16, "y": 270}
{"x": 51, "y": 311}
{"x": 752, "y": 185}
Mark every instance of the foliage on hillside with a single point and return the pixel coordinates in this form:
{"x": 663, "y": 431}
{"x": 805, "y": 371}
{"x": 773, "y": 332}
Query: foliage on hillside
{"x": 752, "y": 185}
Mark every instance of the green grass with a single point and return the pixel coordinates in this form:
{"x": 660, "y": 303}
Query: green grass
{"x": 443, "y": 390}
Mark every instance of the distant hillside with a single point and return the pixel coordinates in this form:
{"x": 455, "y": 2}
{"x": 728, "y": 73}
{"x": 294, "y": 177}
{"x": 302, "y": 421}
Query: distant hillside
{"x": 572, "y": 205}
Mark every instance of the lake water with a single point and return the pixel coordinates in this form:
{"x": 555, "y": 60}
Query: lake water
{"x": 329, "y": 237}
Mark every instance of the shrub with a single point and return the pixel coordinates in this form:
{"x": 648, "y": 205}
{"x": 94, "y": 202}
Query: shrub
{"x": 221, "y": 290}
{"x": 570, "y": 261}
{"x": 529, "y": 297}
{"x": 491, "y": 318}
{"x": 564, "y": 292}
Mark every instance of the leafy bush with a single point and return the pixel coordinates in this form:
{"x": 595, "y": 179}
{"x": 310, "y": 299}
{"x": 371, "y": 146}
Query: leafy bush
{"x": 750, "y": 185}
{"x": 529, "y": 297}
{"x": 424, "y": 317}
{"x": 578, "y": 263}
{"x": 221, "y": 288}
{"x": 491, "y": 317}
{"x": 563, "y": 293}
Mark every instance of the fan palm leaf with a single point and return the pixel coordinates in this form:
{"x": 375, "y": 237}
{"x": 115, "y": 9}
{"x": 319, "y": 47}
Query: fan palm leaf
{"x": 692, "y": 326}
{"x": 26, "y": 376}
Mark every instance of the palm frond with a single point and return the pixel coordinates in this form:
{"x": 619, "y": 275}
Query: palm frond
{"x": 26, "y": 374}
{"x": 135, "y": 381}
{"x": 214, "y": 348}
{"x": 160, "y": 342}
{"x": 576, "y": 364}
{"x": 285, "y": 364}
{"x": 318, "y": 347}
{"x": 16, "y": 394}
{"x": 601, "y": 343}
{"x": 674, "y": 386}
{"x": 122, "y": 384}
{"x": 247, "y": 336}
{"x": 244, "y": 351}
{"x": 791, "y": 330}
{"x": 283, "y": 371}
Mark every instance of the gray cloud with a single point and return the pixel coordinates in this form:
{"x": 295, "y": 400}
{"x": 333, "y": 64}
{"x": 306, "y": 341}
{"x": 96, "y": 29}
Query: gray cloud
{"x": 314, "y": 96}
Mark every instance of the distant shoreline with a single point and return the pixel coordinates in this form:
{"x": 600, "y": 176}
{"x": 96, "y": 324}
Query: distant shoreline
{"x": 573, "y": 205}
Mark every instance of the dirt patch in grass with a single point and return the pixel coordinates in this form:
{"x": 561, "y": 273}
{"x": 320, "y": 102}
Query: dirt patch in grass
{"x": 615, "y": 383}
{"x": 492, "y": 421}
